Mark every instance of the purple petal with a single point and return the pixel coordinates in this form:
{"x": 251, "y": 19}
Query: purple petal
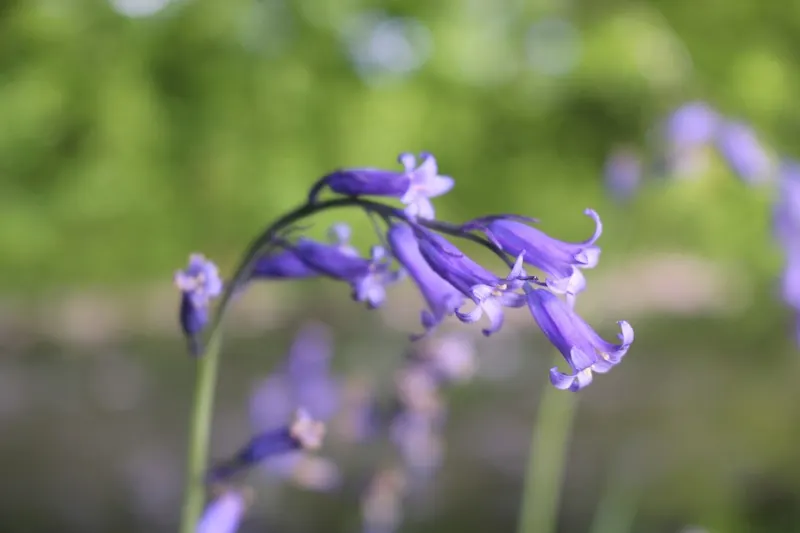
{"x": 223, "y": 515}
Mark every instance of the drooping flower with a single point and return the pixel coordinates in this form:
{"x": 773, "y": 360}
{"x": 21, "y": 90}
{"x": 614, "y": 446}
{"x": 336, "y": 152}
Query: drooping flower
{"x": 304, "y": 433}
{"x": 560, "y": 261}
{"x": 623, "y": 173}
{"x": 747, "y": 157}
{"x": 303, "y": 381}
{"x": 199, "y": 283}
{"x": 489, "y": 292}
{"x": 368, "y": 277}
{"x": 287, "y": 264}
{"x": 415, "y": 186}
{"x": 224, "y": 514}
{"x": 584, "y": 350}
{"x": 442, "y": 298}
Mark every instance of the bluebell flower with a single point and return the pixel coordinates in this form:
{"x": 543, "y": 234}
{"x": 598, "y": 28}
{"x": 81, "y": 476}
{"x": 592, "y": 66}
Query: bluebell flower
{"x": 224, "y": 514}
{"x": 382, "y": 502}
{"x": 561, "y": 261}
{"x": 691, "y": 125}
{"x": 441, "y": 297}
{"x": 303, "y": 381}
{"x": 584, "y": 350}
{"x": 304, "y": 433}
{"x": 199, "y": 283}
{"x": 786, "y": 211}
{"x": 415, "y": 186}
{"x": 448, "y": 358}
{"x": 368, "y": 277}
{"x": 418, "y": 438}
{"x": 747, "y": 157}
{"x": 287, "y": 264}
{"x": 489, "y": 292}
{"x": 623, "y": 173}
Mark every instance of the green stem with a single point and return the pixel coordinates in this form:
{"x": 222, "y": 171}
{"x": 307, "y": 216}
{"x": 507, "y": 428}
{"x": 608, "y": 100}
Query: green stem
{"x": 546, "y": 461}
{"x": 199, "y": 433}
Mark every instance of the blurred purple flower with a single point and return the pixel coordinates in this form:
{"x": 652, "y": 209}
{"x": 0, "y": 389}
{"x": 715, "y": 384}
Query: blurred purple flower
{"x": 790, "y": 281}
{"x": 224, "y": 514}
{"x": 447, "y": 358}
{"x": 199, "y": 283}
{"x": 489, "y": 292}
{"x": 304, "y": 433}
{"x": 623, "y": 173}
{"x": 415, "y": 186}
{"x": 786, "y": 212}
{"x": 560, "y": 261}
{"x": 691, "y": 125}
{"x": 442, "y": 298}
{"x": 581, "y": 346}
{"x": 382, "y": 503}
{"x": 417, "y": 437}
{"x": 739, "y": 145}
{"x": 304, "y": 381}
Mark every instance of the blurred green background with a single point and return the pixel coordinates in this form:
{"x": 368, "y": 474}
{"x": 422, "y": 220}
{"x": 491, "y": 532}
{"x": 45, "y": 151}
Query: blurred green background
{"x": 133, "y": 132}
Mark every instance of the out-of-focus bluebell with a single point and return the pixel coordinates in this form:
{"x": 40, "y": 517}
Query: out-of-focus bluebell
{"x": 303, "y": 381}
{"x": 687, "y": 134}
{"x": 786, "y": 211}
{"x": 360, "y": 416}
{"x": 224, "y": 514}
{"x": 445, "y": 359}
{"x": 584, "y": 350}
{"x": 418, "y": 439}
{"x": 199, "y": 283}
{"x": 623, "y": 173}
{"x": 442, "y": 298}
{"x": 561, "y": 261}
{"x": 368, "y": 277}
{"x": 382, "y": 504}
{"x": 786, "y": 228}
{"x": 691, "y": 125}
{"x": 415, "y": 186}
{"x": 489, "y": 292}
{"x": 744, "y": 153}
{"x": 303, "y": 433}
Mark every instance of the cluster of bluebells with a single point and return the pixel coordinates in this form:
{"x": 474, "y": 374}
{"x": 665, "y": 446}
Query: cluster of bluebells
{"x": 415, "y": 424}
{"x": 412, "y": 244}
{"x": 684, "y": 143}
{"x": 686, "y": 138}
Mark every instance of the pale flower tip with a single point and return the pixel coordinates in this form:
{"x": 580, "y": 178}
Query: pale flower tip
{"x": 307, "y": 431}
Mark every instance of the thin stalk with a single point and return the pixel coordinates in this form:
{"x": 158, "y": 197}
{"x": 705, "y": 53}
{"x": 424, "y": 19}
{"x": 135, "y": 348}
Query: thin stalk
{"x": 546, "y": 461}
{"x": 199, "y": 433}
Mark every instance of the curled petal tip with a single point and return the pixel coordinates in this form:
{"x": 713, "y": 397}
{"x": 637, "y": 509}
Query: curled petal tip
{"x": 626, "y": 333}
